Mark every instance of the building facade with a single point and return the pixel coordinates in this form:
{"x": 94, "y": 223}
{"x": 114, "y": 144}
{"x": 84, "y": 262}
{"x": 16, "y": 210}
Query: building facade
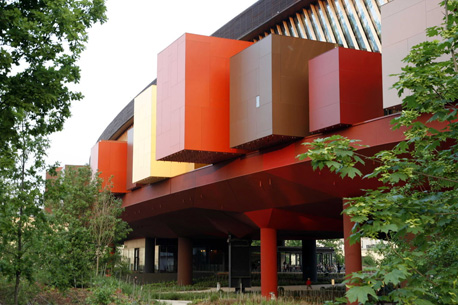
{"x": 204, "y": 158}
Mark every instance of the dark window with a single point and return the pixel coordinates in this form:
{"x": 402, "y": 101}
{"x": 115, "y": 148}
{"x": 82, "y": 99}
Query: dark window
{"x": 136, "y": 259}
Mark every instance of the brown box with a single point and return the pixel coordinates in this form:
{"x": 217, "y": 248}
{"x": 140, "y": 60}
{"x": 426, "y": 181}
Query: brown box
{"x": 269, "y": 91}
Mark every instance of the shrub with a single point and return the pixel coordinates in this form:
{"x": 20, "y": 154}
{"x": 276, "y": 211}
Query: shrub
{"x": 101, "y": 295}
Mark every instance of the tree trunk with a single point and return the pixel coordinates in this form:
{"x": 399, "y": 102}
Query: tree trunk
{"x": 97, "y": 265}
{"x": 19, "y": 234}
{"x": 18, "y": 259}
{"x": 16, "y": 287}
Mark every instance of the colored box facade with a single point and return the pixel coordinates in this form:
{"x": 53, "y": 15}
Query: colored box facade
{"x": 193, "y": 99}
{"x": 130, "y": 185}
{"x": 345, "y": 88}
{"x": 110, "y": 159}
{"x": 269, "y": 91}
{"x": 404, "y": 25}
{"x": 145, "y": 168}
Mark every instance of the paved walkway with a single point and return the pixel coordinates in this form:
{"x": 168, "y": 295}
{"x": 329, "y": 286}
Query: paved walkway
{"x": 175, "y": 302}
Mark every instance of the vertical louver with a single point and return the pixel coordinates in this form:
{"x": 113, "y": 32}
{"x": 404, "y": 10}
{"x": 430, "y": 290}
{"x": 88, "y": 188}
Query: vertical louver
{"x": 349, "y": 23}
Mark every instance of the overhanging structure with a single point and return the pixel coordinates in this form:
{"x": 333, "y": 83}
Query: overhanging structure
{"x": 210, "y": 154}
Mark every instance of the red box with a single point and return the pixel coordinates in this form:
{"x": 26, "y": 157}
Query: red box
{"x": 193, "y": 99}
{"x": 345, "y": 87}
{"x": 110, "y": 159}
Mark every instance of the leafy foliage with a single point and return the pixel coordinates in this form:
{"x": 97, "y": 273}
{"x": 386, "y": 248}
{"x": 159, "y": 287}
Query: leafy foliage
{"x": 335, "y": 153}
{"x": 337, "y": 244}
{"x": 40, "y": 43}
{"x": 416, "y": 207}
{"x": 85, "y": 226}
{"x": 293, "y": 243}
{"x": 21, "y": 216}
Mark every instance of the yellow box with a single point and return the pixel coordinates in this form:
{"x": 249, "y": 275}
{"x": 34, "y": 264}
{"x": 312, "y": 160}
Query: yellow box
{"x": 145, "y": 168}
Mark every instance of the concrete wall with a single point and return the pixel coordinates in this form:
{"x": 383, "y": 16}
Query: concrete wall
{"x": 129, "y": 248}
{"x": 403, "y": 25}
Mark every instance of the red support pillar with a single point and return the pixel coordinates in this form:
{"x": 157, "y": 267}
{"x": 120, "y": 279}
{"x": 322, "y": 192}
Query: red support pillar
{"x": 269, "y": 279}
{"x": 353, "y": 261}
{"x": 184, "y": 274}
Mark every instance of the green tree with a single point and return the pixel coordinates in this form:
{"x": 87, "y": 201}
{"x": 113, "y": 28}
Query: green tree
{"x": 21, "y": 214}
{"x": 40, "y": 43}
{"x": 337, "y": 245}
{"x": 369, "y": 261}
{"x": 416, "y": 208}
{"x": 106, "y": 226}
{"x": 86, "y": 225}
{"x": 293, "y": 243}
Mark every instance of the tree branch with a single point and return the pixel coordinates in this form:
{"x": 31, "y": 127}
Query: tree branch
{"x": 452, "y": 51}
{"x": 416, "y": 270}
{"x": 415, "y": 172}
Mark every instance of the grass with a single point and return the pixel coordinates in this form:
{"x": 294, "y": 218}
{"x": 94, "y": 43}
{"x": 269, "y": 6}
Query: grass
{"x": 112, "y": 291}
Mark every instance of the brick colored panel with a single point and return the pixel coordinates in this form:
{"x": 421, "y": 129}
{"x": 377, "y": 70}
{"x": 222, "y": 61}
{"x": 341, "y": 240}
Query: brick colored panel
{"x": 269, "y": 91}
{"x": 345, "y": 88}
{"x": 110, "y": 159}
{"x": 193, "y": 99}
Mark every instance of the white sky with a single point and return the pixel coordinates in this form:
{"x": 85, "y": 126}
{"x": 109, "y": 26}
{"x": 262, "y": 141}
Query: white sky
{"x": 121, "y": 60}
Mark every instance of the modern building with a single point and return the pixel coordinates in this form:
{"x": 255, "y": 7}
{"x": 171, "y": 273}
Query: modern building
{"x": 204, "y": 158}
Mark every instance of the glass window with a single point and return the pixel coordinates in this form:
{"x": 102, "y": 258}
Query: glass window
{"x": 356, "y": 30}
{"x": 317, "y": 26}
{"x": 136, "y": 259}
{"x": 340, "y": 13}
{"x": 327, "y": 31}
{"x": 366, "y": 23}
{"x": 334, "y": 22}
{"x": 374, "y": 11}
{"x": 291, "y": 29}
{"x": 309, "y": 28}
{"x": 299, "y": 28}
{"x": 167, "y": 258}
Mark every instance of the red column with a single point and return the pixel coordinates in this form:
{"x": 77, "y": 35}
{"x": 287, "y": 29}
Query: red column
{"x": 353, "y": 262}
{"x": 269, "y": 279}
{"x": 184, "y": 275}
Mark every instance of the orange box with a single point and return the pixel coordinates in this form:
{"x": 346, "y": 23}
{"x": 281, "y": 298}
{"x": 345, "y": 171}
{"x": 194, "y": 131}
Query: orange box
{"x": 110, "y": 159}
{"x": 193, "y": 99}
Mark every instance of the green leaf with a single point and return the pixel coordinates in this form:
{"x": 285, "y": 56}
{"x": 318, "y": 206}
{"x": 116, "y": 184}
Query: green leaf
{"x": 333, "y": 165}
{"x": 398, "y": 176}
{"x": 359, "y": 218}
{"x": 389, "y": 227}
{"x": 423, "y": 302}
{"x": 395, "y": 277}
{"x": 360, "y": 293}
{"x": 350, "y": 172}
{"x": 358, "y": 159}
